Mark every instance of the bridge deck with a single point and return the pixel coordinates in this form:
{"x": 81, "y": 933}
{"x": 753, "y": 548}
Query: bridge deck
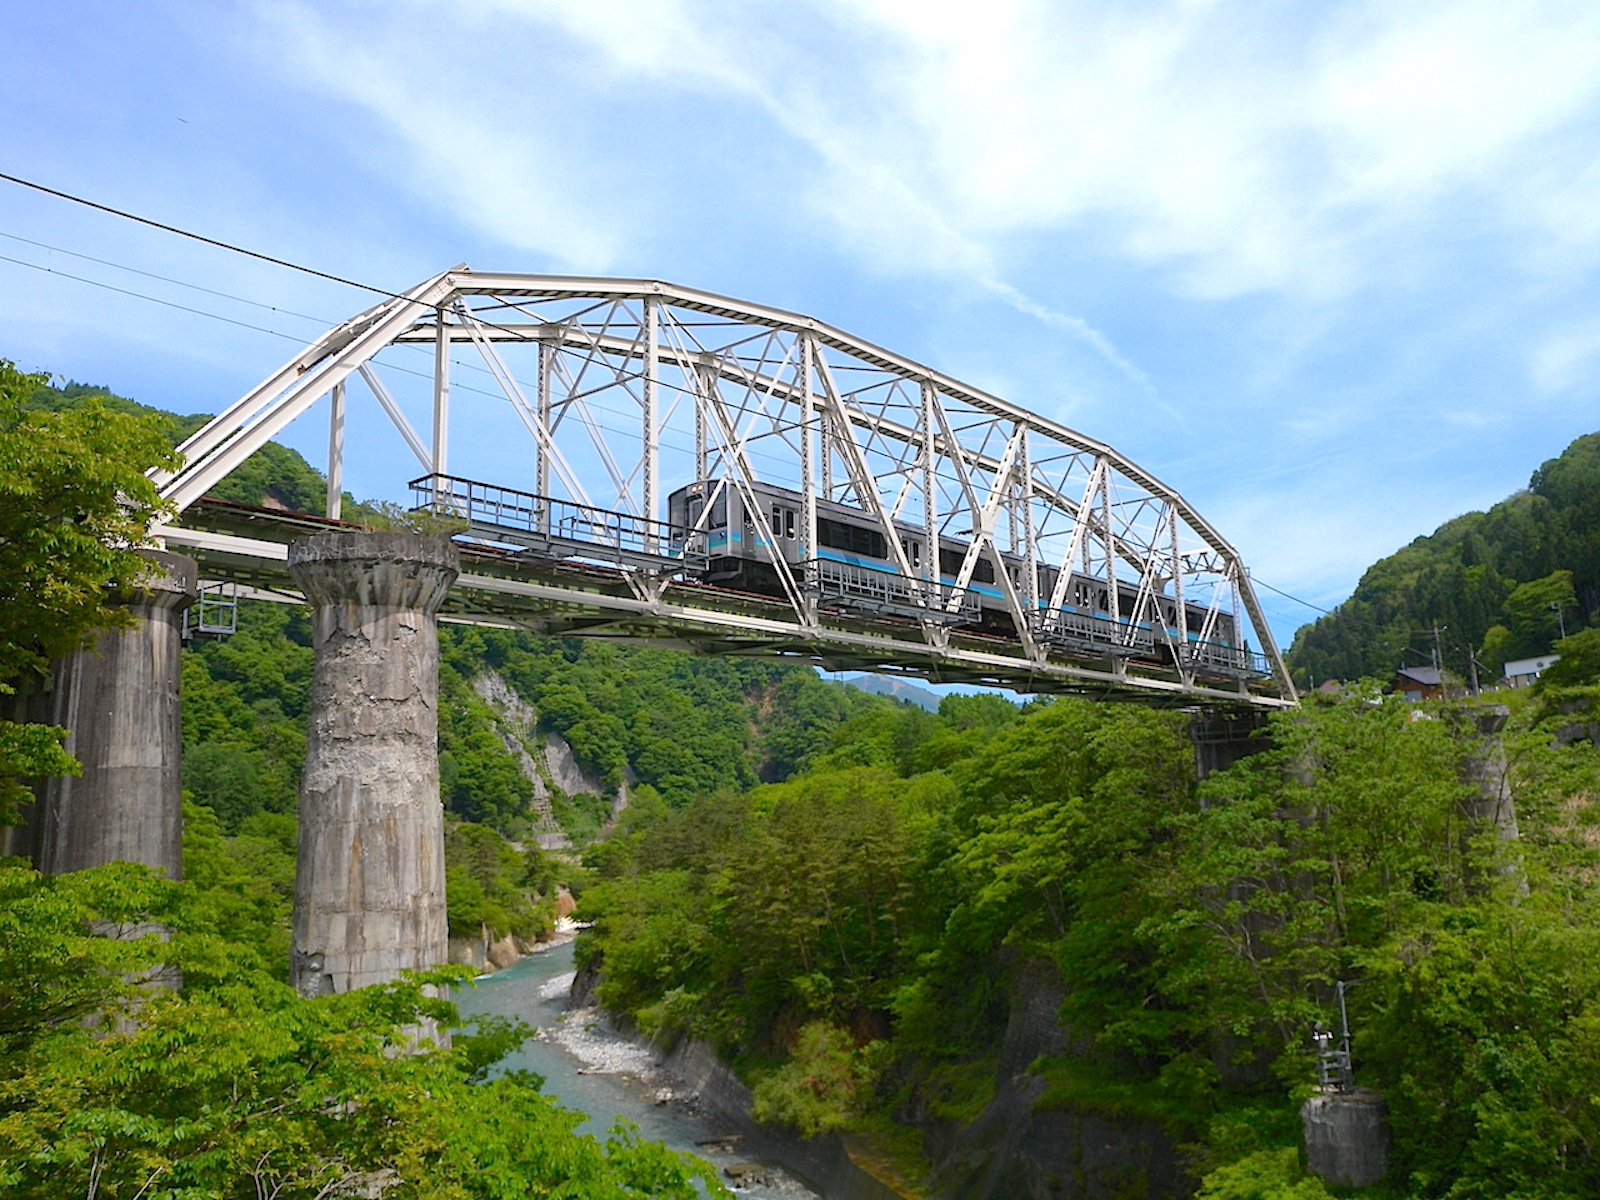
{"x": 567, "y": 597}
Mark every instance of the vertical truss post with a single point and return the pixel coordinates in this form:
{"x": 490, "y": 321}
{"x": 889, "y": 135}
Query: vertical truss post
{"x": 705, "y": 378}
{"x": 930, "y": 549}
{"x": 825, "y": 429}
{"x": 441, "y": 394}
{"x": 860, "y": 472}
{"x": 335, "y": 505}
{"x": 547, "y": 353}
{"x": 652, "y": 372}
{"x": 1030, "y": 550}
{"x": 808, "y": 470}
{"x": 1113, "y": 601}
{"x": 1177, "y": 594}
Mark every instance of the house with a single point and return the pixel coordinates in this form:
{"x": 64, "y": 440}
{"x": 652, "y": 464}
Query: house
{"x": 1524, "y": 671}
{"x": 1418, "y": 683}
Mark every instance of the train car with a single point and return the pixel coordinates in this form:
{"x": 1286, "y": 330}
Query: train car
{"x": 853, "y": 563}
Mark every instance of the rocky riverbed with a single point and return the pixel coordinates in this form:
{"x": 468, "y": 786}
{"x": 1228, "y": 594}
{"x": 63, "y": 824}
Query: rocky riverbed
{"x": 592, "y": 1067}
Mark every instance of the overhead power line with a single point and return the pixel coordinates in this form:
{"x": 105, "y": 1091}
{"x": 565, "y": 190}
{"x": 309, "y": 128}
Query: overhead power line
{"x": 278, "y": 262}
{"x": 110, "y": 287}
{"x": 197, "y": 237}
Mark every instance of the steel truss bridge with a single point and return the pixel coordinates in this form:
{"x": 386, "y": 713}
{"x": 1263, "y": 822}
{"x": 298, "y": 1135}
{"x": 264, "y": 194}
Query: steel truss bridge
{"x": 551, "y": 419}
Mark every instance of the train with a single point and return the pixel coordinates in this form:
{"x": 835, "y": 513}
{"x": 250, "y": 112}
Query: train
{"x": 854, "y": 569}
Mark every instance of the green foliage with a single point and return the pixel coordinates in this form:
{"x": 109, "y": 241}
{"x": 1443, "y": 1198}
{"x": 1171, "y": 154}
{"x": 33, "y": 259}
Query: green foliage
{"x": 1198, "y": 930}
{"x": 479, "y": 778}
{"x": 73, "y": 498}
{"x": 386, "y": 514}
{"x": 1579, "y": 665}
{"x": 245, "y": 700}
{"x": 1264, "y": 1175}
{"x": 243, "y": 887}
{"x": 237, "y": 1086}
{"x": 683, "y": 724}
{"x": 1487, "y": 578}
{"x": 1533, "y": 611}
{"x": 30, "y": 752}
{"x": 492, "y": 886}
{"x": 823, "y": 1086}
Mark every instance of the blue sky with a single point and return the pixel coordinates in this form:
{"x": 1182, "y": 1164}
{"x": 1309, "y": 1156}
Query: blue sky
{"x": 1329, "y": 270}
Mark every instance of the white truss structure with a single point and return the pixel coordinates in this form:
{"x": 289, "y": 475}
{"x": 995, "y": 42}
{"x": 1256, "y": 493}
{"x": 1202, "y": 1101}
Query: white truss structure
{"x": 557, "y": 414}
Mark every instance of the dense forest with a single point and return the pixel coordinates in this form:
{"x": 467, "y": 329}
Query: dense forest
{"x": 849, "y": 898}
{"x": 1503, "y": 584}
{"x": 852, "y": 939}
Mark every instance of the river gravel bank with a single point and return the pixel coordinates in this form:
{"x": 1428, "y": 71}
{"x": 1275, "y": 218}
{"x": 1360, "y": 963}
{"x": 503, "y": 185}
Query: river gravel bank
{"x": 591, "y": 1066}
{"x": 590, "y": 1037}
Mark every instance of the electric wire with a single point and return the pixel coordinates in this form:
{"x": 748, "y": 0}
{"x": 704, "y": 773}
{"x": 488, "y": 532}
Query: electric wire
{"x": 105, "y": 262}
{"x": 111, "y": 287}
{"x": 197, "y": 237}
{"x": 678, "y": 443}
{"x": 279, "y": 262}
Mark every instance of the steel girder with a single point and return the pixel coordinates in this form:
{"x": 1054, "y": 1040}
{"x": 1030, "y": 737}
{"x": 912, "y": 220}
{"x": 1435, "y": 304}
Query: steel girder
{"x": 621, "y": 391}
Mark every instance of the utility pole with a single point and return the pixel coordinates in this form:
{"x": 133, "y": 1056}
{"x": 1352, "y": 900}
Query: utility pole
{"x": 1472, "y": 667}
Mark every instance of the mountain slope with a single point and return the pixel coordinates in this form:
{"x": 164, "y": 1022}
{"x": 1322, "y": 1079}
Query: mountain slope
{"x": 1503, "y": 583}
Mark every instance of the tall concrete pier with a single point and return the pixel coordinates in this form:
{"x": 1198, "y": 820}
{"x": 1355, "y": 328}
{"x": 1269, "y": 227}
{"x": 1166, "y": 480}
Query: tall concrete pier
{"x": 118, "y": 700}
{"x": 369, "y": 883}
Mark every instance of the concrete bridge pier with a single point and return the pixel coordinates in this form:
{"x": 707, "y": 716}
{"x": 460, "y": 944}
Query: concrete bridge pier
{"x": 369, "y": 884}
{"x": 118, "y": 700}
{"x": 1221, "y": 739}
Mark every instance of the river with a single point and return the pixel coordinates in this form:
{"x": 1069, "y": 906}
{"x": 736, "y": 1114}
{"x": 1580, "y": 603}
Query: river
{"x": 591, "y": 1069}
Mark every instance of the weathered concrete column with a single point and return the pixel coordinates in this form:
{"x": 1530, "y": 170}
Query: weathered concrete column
{"x": 119, "y": 701}
{"x": 1347, "y": 1137}
{"x": 1221, "y": 739}
{"x": 369, "y": 882}
{"x": 1484, "y": 768}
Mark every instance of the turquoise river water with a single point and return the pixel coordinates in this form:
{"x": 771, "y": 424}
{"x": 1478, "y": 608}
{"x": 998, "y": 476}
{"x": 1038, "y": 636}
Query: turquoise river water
{"x": 589, "y": 1068}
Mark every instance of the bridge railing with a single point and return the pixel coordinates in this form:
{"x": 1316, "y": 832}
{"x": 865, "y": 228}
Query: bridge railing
{"x": 1231, "y": 661}
{"x": 1087, "y": 633}
{"x": 548, "y": 526}
{"x": 844, "y": 587}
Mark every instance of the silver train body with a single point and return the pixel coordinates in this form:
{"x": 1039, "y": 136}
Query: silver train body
{"x": 853, "y": 560}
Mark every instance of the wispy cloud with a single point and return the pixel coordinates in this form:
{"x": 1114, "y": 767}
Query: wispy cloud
{"x": 1297, "y": 151}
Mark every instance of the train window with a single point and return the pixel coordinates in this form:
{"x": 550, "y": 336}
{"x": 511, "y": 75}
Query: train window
{"x": 913, "y": 551}
{"x": 854, "y": 539}
{"x": 950, "y": 564}
{"x": 719, "y": 512}
{"x": 788, "y": 523}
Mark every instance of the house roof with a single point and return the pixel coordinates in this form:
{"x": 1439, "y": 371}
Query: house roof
{"x": 1426, "y": 676}
{"x": 1531, "y": 666}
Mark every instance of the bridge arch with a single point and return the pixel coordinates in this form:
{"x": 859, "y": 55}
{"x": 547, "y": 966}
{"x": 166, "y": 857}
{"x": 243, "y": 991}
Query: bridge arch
{"x": 637, "y": 459}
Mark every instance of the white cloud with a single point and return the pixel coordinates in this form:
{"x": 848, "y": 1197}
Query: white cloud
{"x": 1566, "y": 357}
{"x": 1326, "y": 159}
{"x": 503, "y": 167}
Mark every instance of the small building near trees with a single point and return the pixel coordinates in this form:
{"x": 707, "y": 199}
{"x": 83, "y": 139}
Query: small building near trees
{"x": 1524, "y": 672}
{"x": 1418, "y": 683}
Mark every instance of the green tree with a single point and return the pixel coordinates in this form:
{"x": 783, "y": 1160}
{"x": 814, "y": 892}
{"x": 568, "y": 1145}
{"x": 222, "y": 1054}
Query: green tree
{"x": 1580, "y": 661}
{"x": 73, "y": 498}
{"x": 1534, "y": 611}
{"x": 236, "y": 1086}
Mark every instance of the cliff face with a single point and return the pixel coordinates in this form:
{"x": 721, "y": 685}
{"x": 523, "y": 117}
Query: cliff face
{"x": 1014, "y": 1151}
{"x": 823, "y": 1162}
{"x": 546, "y": 760}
